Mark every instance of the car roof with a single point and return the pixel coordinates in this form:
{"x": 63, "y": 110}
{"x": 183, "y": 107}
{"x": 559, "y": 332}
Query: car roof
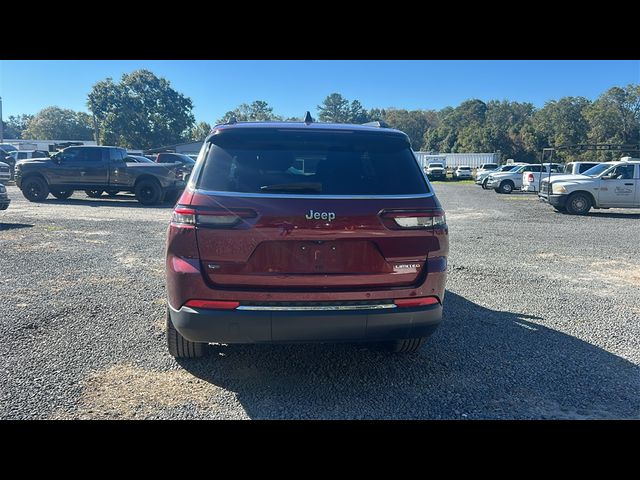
{"x": 314, "y": 126}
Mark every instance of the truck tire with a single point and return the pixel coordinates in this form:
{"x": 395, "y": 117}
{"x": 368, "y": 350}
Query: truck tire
{"x": 578, "y": 203}
{"x": 148, "y": 192}
{"x": 180, "y": 347}
{"x": 484, "y": 184}
{"x": 506, "y": 187}
{"x": 406, "y": 345}
{"x": 35, "y": 189}
{"x": 93, "y": 193}
{"x": 62, "y": 194}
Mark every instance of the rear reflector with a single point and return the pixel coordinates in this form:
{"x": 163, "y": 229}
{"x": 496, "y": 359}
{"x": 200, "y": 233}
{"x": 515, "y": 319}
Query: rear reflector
{"x": 415, "y": 302}
{"x": 212, "y": 304}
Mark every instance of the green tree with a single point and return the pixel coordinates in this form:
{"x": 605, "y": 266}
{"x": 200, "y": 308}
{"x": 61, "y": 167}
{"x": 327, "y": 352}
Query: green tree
{"x": 55, "y": 123}
{"x": 357, "y": 113}
{"x": 256, "y": 111}
{"x": 615, "y": 116}
{"x": 141, "y": 111}
{"x": 15, "y": 125}
{"x": 412, "y": 122}
{"x": 200, "y": 131}
{"x": 559, "y": 122}
{"x": 335, "y": 108}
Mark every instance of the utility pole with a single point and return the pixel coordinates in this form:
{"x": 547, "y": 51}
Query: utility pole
{"x": 1, "y": 123}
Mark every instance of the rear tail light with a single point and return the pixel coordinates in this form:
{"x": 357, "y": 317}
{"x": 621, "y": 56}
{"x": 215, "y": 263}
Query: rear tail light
{"x": 530, "y": 178}
{"x": 415, "y": 302}
{"x": 414, "y": 219}
{"x": 212, "y": 304}
{"x": 188, "y": 217}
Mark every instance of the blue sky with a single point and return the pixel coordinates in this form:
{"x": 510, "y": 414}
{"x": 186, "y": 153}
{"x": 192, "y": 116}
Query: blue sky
{"x": 293, "y": 86}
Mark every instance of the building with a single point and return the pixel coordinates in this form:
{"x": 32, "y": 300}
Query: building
{"x": 48, "y": 145}
{"x": 473, "y": 160}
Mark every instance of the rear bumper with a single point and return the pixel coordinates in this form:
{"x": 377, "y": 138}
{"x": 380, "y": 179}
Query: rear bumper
{"x": 530, "y": 188}
{"x": 236, "y": 326}
{"x": 554, "y": 200}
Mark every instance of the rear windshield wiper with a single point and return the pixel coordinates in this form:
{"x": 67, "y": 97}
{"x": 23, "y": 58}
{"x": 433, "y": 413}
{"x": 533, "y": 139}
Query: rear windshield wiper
{"x": 292, "y": 187}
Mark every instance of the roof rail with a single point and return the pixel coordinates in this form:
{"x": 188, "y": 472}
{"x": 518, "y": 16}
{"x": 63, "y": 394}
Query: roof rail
{"x": 231, "y": 121}
{"x": 377, "y": 124}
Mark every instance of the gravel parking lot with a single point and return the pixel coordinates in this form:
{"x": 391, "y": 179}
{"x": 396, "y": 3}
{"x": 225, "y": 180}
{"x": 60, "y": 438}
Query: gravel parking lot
{"x": 542, "y": 320}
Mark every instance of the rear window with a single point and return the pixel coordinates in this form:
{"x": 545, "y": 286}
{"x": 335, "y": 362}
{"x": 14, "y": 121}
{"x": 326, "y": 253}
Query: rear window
{"x": 311, "y": 163}
{"x": 585, "y": 166}
{"x": 464, "y": 168}
{"x": 436, "y": 165}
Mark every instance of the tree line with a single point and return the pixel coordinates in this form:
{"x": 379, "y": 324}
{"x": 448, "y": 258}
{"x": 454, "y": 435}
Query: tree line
{"x": 144, "y": 111}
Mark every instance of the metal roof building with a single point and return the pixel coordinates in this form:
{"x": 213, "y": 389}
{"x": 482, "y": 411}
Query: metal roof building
{"x": 472, "y": 160}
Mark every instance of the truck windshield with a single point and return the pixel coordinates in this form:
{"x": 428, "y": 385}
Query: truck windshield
{"x": 435, "y": 165}
{"x": 597, "y": 170}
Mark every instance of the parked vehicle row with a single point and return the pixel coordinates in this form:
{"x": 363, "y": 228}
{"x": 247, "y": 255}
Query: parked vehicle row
{"x": 606, "y": 185}
{"x": 507, "y": 182}
{"x": 573, "y": 188}
{"x": 96, "y": 169}
{"x": 437, "y": 171}
{"x": 482, "y": 175}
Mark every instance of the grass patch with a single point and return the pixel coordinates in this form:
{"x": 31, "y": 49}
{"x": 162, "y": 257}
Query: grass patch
{"x": 519, "y": 197}
{"x": 53, "y": 228}
{"x": 453, "y": 182}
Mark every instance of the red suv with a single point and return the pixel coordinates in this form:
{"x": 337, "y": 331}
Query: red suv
{"x": 305, "y": 232}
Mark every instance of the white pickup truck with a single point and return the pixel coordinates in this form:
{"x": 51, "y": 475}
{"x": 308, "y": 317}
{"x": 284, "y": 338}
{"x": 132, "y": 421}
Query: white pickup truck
{"x": 531, "y": 180}
{"x": 507, "y": 182}
{"x": 607, "y": 185}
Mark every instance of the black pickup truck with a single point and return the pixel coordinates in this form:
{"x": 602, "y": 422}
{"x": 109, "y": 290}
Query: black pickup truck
{"x": 95, "y": 170}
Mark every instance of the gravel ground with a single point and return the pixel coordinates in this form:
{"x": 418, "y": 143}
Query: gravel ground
{"x": 541, "y": 321}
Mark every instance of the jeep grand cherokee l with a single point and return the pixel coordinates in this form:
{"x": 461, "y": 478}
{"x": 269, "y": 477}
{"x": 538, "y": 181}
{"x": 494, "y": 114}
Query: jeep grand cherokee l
{"x": 305, "y": 232}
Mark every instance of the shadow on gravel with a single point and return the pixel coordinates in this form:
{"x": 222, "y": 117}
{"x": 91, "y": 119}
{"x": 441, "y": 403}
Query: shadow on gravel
{"x": 119, "y": 201}
{"x": 481, "y": 363}
{"x": 614, "y": 215}
{"x": 13, "y": 226}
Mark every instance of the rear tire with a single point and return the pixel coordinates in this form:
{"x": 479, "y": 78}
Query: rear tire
{"x": 93, "y": 193}
{"x": 148, "y": 192}
{"x": 506, "y": 187}
{"x": 35, "y": 189}
{"x": 62, "y": 194}
{"x": 578, "y": 203}
{"x": 406, "y": 345}
{"x": 180, "y": 347}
